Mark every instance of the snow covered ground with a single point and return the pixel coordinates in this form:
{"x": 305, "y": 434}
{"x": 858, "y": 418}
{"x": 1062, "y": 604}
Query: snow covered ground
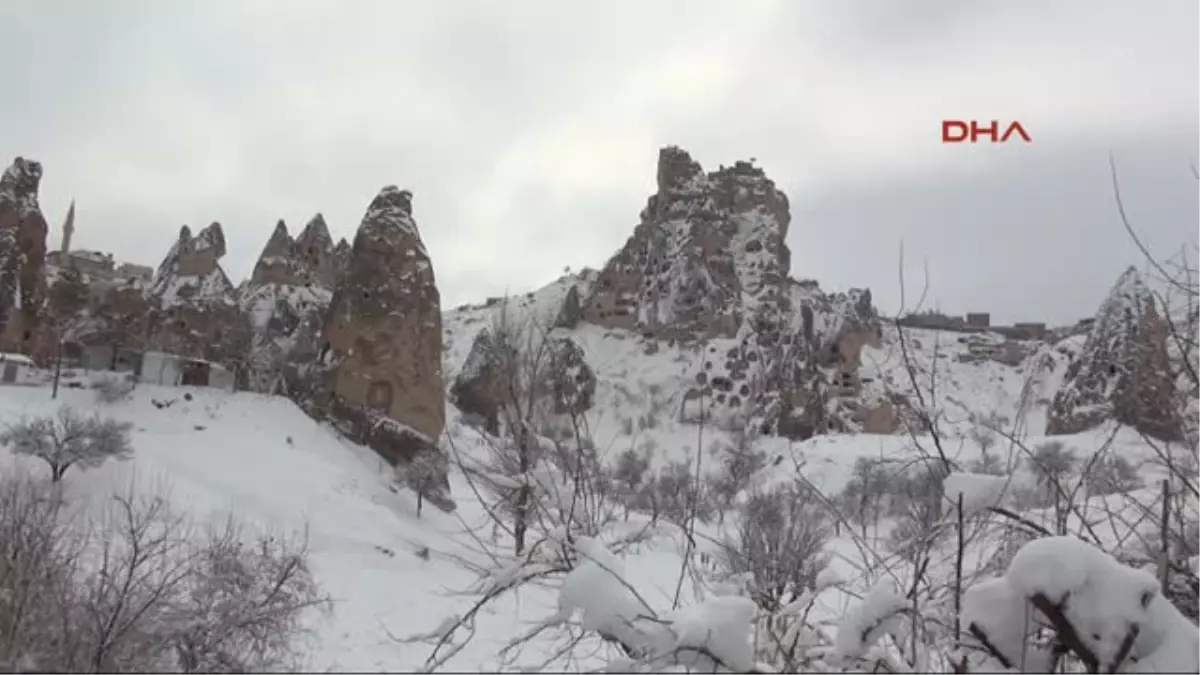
{"x": 393, "y": 575}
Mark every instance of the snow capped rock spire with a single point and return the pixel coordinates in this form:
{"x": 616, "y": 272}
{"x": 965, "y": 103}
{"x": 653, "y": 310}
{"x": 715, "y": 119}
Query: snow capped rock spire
{"x": 23, "y": 232}
{"x": 1123, "y": 370}
{"x": 19, "y": 185}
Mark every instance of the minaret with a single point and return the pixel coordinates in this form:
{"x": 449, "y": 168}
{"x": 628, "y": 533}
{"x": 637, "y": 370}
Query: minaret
{"x": 68, "y": 228}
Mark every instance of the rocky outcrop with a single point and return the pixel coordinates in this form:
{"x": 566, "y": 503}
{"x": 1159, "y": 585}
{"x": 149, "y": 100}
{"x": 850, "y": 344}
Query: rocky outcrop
{"x": 708, "y": 262}
{"x": 22, "y": 259}
{"x": 278, "y": 263}
{"x": 286, "y": 299}
{"x": 793, "y": 372}
{"x": 193, "y": 306}
{"x": 708, "y": 253}
{"x": 1123, "y": 371}
{"x": 570, "y": 313}
{"x": 478, "y": 388}
{"x": 315, "y": 249}
{"x": 553, "y": 375}
{"x": 341, "y": 257}
{"x": 382, "y": 336}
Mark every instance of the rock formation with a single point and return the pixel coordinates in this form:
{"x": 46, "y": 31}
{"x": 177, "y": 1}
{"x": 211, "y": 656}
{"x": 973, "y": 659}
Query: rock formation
{"x": 278, "y": 263}
{"x": 382, "y": 336}
{"x": 286, "y": 298}
{"x": 709, "y": 250}
{"x": 709, "y": 263}
{"x": 341, "y": 257}
{"x": 193, "y": 306}
{"x": 1123, "y": 372}
{"x": 570, "y": 313}
{"x": 22, "y": 261}
{"x": 315, "y": 248}
{"x": 478, "y": 389}
{"x": 554, "y": 376}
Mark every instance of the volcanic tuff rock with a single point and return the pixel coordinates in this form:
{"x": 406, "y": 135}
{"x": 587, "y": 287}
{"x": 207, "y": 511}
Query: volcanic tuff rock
{"x": 286, "y": 298}
{"x": 709, "y": 250}
{"x": 315, "y": 248}
{"x": 193, "y": 306}
{"x": 341, "y": 257}
{"x": 278, "y": 263}
{"x": 708, "y": 262}
{"x": 382, "y": 337}
{"x": 478, "y": 388}
{"x": 562, "y": 382}
{"x": 1122, "y": 372}
{"x": 22, "y": 261}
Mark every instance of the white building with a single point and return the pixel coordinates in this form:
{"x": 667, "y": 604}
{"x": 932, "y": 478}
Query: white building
{"x": 17, "y": 369}
{"x": 174, "y": 370}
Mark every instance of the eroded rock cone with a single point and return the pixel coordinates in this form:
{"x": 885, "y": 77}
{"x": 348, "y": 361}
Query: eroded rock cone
{"x": 383, "y": 337}
{"x": 1123, "y": 371}
{"x": 23, "y": 229}
{"x": 193, "y": 306}
{"x": 708, "y": 251}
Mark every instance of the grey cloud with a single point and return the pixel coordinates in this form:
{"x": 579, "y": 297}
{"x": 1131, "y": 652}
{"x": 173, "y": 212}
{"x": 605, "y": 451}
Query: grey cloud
{"x": 528, "y": 131}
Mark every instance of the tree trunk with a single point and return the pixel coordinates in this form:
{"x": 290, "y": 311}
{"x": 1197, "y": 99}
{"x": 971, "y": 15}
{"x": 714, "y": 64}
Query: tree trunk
{"x": 521, "y": 520}
{"x": 420, "y": 500}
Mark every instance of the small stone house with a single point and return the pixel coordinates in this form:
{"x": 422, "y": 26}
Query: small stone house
{"x": 173, "y": 370}
{"x": 16, "y": 369}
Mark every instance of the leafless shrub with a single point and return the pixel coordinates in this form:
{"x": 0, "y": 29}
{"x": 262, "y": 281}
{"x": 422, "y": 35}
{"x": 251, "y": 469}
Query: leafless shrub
{"x": 779, "y": 543}
{"x": 69, "y": 439}
{"x": 678, "y": 495}
{"x": 138, "y": 591}
{"x": 1112, "y": 475}
{"x": 628, "y": 477}
{"x": 864, "y": 495}
{"x": 422, "y": 474}
{"x": 738, "y": 467}
{"x": 113, "y": 389}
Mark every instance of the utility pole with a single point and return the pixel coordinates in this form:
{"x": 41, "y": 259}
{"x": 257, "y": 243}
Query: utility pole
{"x": 57, "y": 361}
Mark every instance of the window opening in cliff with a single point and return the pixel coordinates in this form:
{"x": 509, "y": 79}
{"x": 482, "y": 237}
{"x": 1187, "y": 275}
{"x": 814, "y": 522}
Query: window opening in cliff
{"x": 379, "y": 396}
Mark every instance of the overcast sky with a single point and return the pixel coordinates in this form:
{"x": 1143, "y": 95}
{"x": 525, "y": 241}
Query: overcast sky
{"x": 528, "y": 131}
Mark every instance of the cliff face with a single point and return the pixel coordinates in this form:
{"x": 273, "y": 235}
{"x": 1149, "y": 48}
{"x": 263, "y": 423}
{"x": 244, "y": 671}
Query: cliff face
{"x": 708, "y": 253}
{"x": 193, "y": 309}
{"x": 709, "y": 263}
{"x": 1123, "y": 371}
{"x": 286, "y": 298}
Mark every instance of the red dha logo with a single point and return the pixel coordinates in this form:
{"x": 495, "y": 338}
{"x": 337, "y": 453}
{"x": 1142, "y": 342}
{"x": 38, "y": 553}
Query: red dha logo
{"x": 957, "y": 131}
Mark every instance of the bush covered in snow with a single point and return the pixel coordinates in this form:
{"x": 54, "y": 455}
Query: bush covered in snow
{"x": 140, "y": 589}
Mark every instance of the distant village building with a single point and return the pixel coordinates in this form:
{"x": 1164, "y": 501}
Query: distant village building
{"x": 1032, "y": 330}
{"x": 16, "y": 368}
{"x": 95, "y": 264}
{"x": 979, "y": 319}
{"x": 130, "y": 271}
{"x": 172, "y": 370}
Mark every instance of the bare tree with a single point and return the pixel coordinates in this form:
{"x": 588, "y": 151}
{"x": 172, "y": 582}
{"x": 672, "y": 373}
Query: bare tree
{"x": 142, "y": 589}
{"x": 424, "y": 473}
{"x": 69, "y": 439}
